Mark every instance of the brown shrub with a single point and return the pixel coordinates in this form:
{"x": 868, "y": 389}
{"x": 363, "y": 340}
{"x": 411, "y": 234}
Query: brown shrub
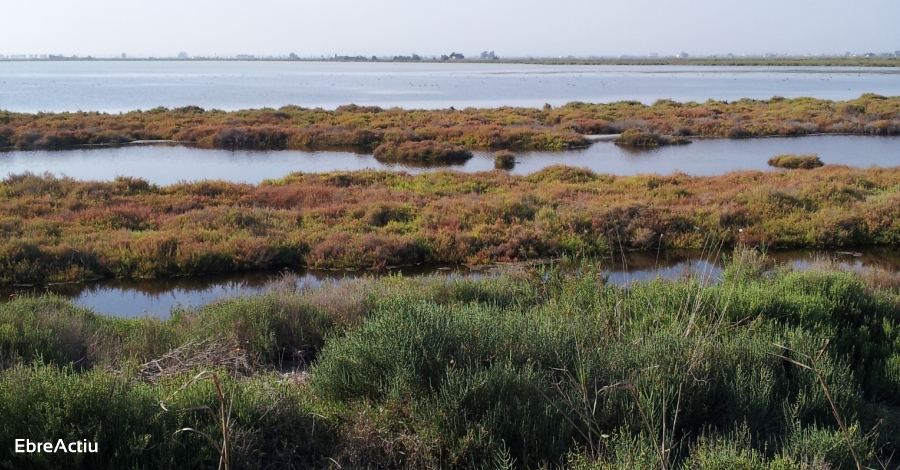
{"x": 372, "y": 250}
{"x": 640, "y": 138}
{"x": 504, "y": 160}
{"x": 289, "y": 197}
{"x": 426, "y": 150}
{"x": 804, "y": 162}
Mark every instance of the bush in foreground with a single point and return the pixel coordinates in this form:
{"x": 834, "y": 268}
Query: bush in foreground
{"x": 63, "y": 230}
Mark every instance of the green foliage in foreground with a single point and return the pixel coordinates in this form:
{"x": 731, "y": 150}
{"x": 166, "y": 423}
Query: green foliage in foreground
{"x": 532, "y": 369}
{"x": 63, "y": 230}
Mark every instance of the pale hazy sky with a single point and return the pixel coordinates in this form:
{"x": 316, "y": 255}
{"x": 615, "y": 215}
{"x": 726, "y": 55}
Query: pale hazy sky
{"x": 390, "y": 27}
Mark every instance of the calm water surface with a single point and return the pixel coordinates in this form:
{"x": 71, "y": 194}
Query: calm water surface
{"x": 167, "y": 164}
{"x": 125, "y": 86}
{"x": 139, "y": 297}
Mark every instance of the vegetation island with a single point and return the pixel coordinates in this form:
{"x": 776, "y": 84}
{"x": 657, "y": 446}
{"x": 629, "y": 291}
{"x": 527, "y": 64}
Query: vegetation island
{"x": 365, "y": 128}
{"x": 537, "y": 368}
{"x": 546, "y": 365}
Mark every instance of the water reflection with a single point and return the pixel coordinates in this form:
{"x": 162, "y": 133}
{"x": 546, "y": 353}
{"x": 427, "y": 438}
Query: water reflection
{"x": 169, "y": 164}
{"x": 414, "y": 165}
{"x": 138, "y": 297}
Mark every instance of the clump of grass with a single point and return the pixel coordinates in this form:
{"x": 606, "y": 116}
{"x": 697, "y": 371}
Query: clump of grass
{"x": 504, "y": 160}
{"x": 811, "y": 364}
{"x": 425, "y": 150}
{"x": 795, "y": 162}
{"x": 640, "y": 138}
{"x": 221, "y": 417}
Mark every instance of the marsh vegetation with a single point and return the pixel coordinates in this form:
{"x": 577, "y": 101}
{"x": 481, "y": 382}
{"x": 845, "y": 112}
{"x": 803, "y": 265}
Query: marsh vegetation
{"x": 536, "y": 368}
{"x": 422, "y": 151}
{"x": 504, "y": 160}
{"x": 60, "y": 229}
{"x": 366, "y": 128}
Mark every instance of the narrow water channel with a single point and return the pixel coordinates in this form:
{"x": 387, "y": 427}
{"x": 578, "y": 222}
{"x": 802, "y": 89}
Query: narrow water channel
{"x": 139, "y": 297}
{"x": 169, "y": 164}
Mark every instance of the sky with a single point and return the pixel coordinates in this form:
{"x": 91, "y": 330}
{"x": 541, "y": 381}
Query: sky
{"x": 519, "y": 28}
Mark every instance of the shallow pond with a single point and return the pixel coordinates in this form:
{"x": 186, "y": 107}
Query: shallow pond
{"x": 168, "y": 164}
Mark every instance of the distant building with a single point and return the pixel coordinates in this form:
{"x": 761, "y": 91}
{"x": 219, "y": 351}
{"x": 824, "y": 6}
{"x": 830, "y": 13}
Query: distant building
{"x": 182, "y": 55}
{"x": 683, "y": 55}
{"x": 456, "y": 56}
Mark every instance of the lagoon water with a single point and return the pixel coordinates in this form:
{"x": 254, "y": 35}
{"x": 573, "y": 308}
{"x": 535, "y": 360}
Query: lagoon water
{"x": 168, "y": 164}
{"x": 114, "y": 86}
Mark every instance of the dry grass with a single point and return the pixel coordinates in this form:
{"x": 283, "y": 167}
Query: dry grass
{"x": 504, "y": 160}
{"x": 225, "y": 354}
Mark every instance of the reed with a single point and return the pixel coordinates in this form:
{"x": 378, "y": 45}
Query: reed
{"x": 222, "y": 418}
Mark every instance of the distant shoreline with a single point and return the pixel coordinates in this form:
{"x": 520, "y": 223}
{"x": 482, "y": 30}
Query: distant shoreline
{"x": 878, "y": 61}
